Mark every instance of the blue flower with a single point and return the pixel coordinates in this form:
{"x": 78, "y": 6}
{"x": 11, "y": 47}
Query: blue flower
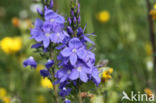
{"x": 40, "y": 34}
{"x": 44, "y": 73}
{"x": 95, "y": 76}
{"x": 74, "y": 51}
{"x": 30, "y": 62}
{"x": 64, "y": 92}
{"x": 58, "y": 37}
{"x": 64, "y": 43}
{"x": 64, "y": 73}
{"x": 63, "y": 60}
{"x": 67, "y": 101}
{"x": 89, "y": 58}
{"x": 52, "y": 16}
{"x": 80, "y": 71}
{"x": 35, "y": 33}
{"x": 49, "y": 64}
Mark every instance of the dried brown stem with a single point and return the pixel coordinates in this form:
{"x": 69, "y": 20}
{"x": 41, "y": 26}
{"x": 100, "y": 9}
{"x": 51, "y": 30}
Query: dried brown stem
{"x": 151, "y": 32}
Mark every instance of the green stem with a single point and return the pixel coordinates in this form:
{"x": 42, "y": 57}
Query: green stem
{"x": 56, "y": 95}
{"x": 52, "y": 56}
{"x": 79, "y": 95}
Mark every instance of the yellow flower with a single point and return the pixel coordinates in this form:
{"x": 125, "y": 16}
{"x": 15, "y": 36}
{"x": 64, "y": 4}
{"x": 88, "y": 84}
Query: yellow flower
{"x": 11, "y": 45}
{"x": 3, "y": 92}
{"x": 154, "y": 6}
{"x": 103, "y": 16}
{"x": 148, "y": 92}
{"x": 15, "y": 21}
{"x": 6, "y": 99}
{"x": 153, "y": 12}
{"x": 148, "y": 49}
{"x": 46, "y": 83}
{"x": 106, "y": 75}
{"x": 17, "y": 43}
{"x": 41, "y": 99}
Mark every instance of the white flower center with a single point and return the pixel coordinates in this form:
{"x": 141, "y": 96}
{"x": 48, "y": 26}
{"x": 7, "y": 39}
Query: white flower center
{"x": 64, "y": 88}
{"x": 74, "y": 50}
{"x": 79, "y": 69}
{"x": 31, "y": 58}
{"x": 58, "y": 34}
{"x": 47, "y": 34}
{"x": 52, "y": 20}
{"x": 68, "y": 72}
{"x": 49, "y": 60}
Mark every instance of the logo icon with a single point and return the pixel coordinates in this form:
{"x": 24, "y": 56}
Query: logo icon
{"x": 125, "y": 96}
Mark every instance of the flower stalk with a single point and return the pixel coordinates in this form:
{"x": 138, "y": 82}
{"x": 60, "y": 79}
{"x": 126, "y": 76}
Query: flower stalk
{"x": 56, "y": 94}
{"x": 52, "y": 55}
{"x": 152, "y": 38}
{"x": 79, "y": 95}
{"x": 70, "y": 59}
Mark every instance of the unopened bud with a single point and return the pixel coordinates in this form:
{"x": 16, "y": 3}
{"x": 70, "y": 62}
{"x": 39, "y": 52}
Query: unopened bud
{"x": 51, "y": 4}
{"x": 69, "y": 29}
{"x": 39, "y": 11}
{"x": 74, "y": 20}
{"x": 69, "y": 21}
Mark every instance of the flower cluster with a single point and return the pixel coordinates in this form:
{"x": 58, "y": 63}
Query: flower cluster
{"x": 70, "y": 60}
{"x": 49, "y": 30}
{"x": 76, "y": 59}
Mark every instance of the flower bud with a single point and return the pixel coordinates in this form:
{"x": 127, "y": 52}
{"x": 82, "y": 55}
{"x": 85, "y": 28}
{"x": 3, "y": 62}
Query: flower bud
{"x": 78, "y": 9}
{"x": 74, "y": 20}
{"x": 45, "y": 8}
{"x": 79, "y": 31}
{"x": 39, "y": 11}
{"x": 69, "y": 29}
{"x": 69, "y": 21}
{"x": 79, "y": 19}
{"x": 72, "y": 12}
{"x": 51, "y": 4}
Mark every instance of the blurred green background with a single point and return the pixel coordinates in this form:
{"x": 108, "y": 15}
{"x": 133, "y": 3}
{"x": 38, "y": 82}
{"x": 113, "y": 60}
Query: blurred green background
{"x": 122, "y": 38}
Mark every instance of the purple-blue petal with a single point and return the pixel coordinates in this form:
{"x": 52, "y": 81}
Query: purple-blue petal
{"x": 44, "y": 73}
{"x": 83, "y": 77}
{"x": 46, "y": 42}
{"x": 38, "y": 22}
{"x": 73, "y": 58}
{"x": 81, "y": 53}
{"x": 64, "y": 78}
{"x": 30, "y": 62}
{"x": 66, "y": 52}
{"x": 67, "y": 101}
{"x": 74, "y": 75}
{"x": 49, "y": 64}
{"x": 38, "y": 45}
{"x": 75, "y": 43}
{"x": 88, "y": 40}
